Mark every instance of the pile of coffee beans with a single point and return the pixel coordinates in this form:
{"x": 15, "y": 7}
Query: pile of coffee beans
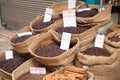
{"x": 95, "y": 51}
{"x": 89, "y": 13}
{"x": 73, "y": 30}
{"x": 114, "y": 38}
{"x": 21, "y": 39}
{"x": 32, "y": 77}
{"x": 43, "y": 25}
{"x": 49, "y": 51}
{"x": 11, "y": 64}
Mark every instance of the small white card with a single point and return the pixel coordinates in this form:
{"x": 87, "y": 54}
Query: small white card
{"x": 69, "y": 18}
{"x": 84, "y": 9}
{"x": 65, "y": 42}
{"x": 24, "y": 33}
{"x": 37, "y": 70}
{"x": 71, "y": 4}
{"x": 48, "y": 15}
{"x": 8, "y": 55}
{"x": 99, "y": 41}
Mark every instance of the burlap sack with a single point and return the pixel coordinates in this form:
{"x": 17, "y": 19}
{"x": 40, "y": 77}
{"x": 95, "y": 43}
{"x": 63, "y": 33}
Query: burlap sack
{"x": 60, "y": 60}
{"x": 38, "y": 21}
{"x": 88, "y": 34}
{"x": 24, "y": 68}
{"x": 103, "y": 68}
{"x": 4, "y": 74}
{"x": 100, "y": 17}
{"x": 22, "y": 47}
{"x": 58, "y": 7}
{"x": 114, "y": 44}
{"x": 112, "y": 28}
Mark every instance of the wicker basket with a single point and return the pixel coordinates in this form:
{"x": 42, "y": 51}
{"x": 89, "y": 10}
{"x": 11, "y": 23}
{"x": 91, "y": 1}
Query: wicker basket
{"x": 60, "y": 60}
{"x": 22, "y": 47}
{"x": 100, "y": 17}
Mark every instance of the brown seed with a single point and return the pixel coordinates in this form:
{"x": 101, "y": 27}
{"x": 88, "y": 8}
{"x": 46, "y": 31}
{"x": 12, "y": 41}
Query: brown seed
{"x": 96, "y": 51}
{"x": 21, "y": 39}
{"x": 114, "y": 38}
{"x": 32, "y": 77}
{"x": 73, "y": 30}
{"x": 11, "y": 64}
{"x": 43, "y": 25}
{"x": 85, "y": 14}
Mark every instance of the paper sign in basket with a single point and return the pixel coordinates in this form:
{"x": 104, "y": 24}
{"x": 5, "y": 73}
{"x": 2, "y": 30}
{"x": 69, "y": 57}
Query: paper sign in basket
{"x": 69, "y": 18}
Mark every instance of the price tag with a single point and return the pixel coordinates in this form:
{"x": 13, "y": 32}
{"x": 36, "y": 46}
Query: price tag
{"x": 24, "y": 33}
{"x": 48, "y": 15}
{"x": 71, "y": 4}
{"x": 84, "y": 9}
{"x": 99, "y": 41}
{"x": 69, "y": 18}
{"x": 37, "y": 70}
{"x": 8, "y": 55}
{"x": 65, "y": 42}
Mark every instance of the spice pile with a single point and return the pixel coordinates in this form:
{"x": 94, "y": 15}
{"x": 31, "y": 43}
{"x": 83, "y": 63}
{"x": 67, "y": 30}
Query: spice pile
{"x": 69, "y": 73}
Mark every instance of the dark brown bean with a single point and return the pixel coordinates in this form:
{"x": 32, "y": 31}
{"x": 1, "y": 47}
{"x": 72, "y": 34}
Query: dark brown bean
{"x": 85, "y": 14}
{"x": 11, "y": 64}
{"x": 114, "y": 38}
{"x": 49, "y": 51}
{"x": 43, "y": 25}
{"x": 73, "y": 30}
{"x": 21, "y": 39}
{"x": 32, "y": 77}
{"x": 96, "y": 51}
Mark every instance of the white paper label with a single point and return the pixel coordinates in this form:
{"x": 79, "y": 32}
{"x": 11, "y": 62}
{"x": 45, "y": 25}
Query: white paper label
{"x": 65, "y": 42}
{"x": 37, "y": 70}
{"x": 24, "y": 33}
{"x": 71, "y": 4}
{"x": 69, "y": 18}
{"x": 8, "y": 55}
{"x": 99, "y": 41}
{"x": 84, "y": 9}
{"x": 119, "y": 36}
{"x": 48, "y": 15}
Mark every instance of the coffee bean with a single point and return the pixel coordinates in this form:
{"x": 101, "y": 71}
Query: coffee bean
{"x": 114, "y": 38}
{"x": 73, "y": 30}
{"x": 49, "y": 51}
{"x": 85, "y": 14}
{"x": 96, "y": 51}
{"x": 11, "y": 64}
{"x": 32, "y": 77}
{"x": 43, "y": 25}
{"x": 21, "y": 39}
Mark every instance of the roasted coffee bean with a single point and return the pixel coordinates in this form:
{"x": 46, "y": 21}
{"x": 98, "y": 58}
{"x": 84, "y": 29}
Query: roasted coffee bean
{"x": 21, "y": 39}
{"x": 85, "y": 14}
{"x": 73, "y": 30}
{"x": 49, "y": 51}
{"x": 43, "y": 25}
{"x": 11, "y": 64}
{"x": 95, "y": 51}
{"x": 32, "y": 77}
{"x": 114, "y": 38}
